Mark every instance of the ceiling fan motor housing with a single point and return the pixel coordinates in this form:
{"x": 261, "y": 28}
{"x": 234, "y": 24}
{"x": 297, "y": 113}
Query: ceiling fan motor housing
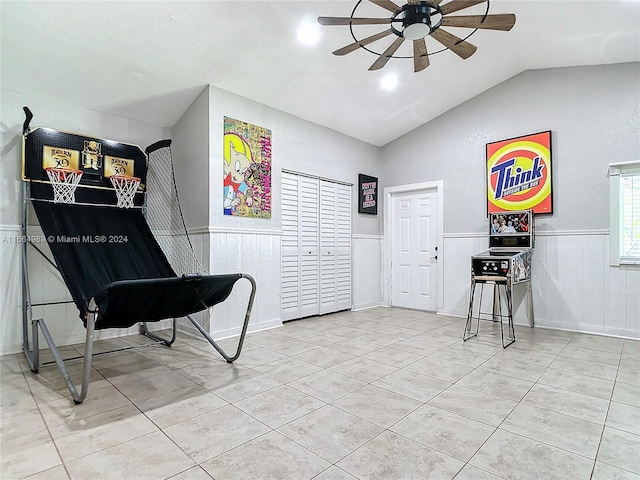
{"x": 416, "y": 22}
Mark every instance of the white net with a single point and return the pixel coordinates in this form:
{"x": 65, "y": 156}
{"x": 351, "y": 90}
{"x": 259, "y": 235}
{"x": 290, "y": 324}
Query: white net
{"x": 164, "y": 217}
{"x": 125, "y": 188}
{"x": 64, "y": 183}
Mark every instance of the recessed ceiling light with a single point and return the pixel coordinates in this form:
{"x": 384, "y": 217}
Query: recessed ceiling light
{"x": 309, "y": 33}
{"x": 389, "y": 82}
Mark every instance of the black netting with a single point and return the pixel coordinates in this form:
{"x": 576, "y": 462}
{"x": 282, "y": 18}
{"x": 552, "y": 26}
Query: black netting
{"x": 163, "y": 212}
{"x": 164, "y": 217}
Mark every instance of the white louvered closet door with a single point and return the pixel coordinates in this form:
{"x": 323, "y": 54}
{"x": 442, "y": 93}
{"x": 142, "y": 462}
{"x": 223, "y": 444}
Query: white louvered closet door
{"x": 316, "y": 246}
{"x": 335, "y": 247}
{"x": 300, "y": 295}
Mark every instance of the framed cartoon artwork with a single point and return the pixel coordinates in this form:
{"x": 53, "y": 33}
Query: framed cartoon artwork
{"x": 247, "y": 169}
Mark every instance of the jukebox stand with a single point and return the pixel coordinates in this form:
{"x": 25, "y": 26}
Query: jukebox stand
{"x": 507, "y": 263}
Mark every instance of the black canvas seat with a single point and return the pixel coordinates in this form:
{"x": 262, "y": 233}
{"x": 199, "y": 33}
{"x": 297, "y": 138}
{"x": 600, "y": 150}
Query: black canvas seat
{"x": 126, "y": 302}
{"x": 109, "y": 254}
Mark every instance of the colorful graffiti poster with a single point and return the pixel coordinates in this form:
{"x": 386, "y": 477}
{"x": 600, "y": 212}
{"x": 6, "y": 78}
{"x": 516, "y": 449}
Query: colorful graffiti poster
{"x": 519, "y": 174}
{"x": 247, "y": 169}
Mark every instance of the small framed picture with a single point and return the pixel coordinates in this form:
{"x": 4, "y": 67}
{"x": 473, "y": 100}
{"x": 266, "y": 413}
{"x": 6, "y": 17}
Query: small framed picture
{"x": 367, "y": 194}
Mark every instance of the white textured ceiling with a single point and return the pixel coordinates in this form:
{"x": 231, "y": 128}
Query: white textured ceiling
{"x": 148, "y": 60}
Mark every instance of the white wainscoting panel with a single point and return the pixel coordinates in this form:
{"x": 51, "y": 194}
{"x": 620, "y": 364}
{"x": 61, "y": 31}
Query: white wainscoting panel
{"x": 257, "y": 254}
{"x": 10, "y": 290}
{"x": 456, "y": 259}
{"x": 254, "y": 252}
{"x": 581, "y": 291}
{"x": 574, "y": 288}
{"x": 366, "y": 277}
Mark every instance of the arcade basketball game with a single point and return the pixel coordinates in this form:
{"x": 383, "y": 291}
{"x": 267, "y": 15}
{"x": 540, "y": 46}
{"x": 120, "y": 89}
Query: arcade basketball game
{"x": 114, "y": 231}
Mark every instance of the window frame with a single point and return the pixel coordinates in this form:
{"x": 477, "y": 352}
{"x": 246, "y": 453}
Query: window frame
{"x": 616, "y": 172}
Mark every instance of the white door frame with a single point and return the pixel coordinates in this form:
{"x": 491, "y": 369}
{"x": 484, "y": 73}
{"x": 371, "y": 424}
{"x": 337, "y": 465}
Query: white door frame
{"x": 436, "y": 187}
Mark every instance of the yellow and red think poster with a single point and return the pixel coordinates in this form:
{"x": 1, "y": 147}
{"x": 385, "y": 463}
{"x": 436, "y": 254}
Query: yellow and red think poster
{"x": 519, "y": 174}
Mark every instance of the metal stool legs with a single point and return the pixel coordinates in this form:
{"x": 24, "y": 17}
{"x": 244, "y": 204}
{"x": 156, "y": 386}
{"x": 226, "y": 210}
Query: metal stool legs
{"x": 501, "y": 291}
{"x": 510, "y": 328}
{"x": 468, "y": 329}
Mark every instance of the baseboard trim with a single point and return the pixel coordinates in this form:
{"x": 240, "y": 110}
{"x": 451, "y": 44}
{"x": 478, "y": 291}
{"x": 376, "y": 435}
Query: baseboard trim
{"x": 366, "y": 306}
{"x": 591, "y": 330}
{"x": 235, "y": 331}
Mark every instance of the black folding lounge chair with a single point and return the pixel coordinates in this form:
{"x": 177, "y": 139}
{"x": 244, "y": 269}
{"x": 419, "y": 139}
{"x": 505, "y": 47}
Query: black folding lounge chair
{"x": 110, "y": 261}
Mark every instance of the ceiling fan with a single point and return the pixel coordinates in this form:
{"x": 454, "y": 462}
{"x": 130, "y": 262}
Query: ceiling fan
{"x": 417, "y": 20}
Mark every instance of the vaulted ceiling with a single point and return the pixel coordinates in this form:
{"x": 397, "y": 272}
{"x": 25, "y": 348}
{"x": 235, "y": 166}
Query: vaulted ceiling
{"x": 148, "y": 60}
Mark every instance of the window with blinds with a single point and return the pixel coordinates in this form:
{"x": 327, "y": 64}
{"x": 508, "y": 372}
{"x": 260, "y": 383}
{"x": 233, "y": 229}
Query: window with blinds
{"x": 624, "y": 218}
{"x": 630, "y": 217}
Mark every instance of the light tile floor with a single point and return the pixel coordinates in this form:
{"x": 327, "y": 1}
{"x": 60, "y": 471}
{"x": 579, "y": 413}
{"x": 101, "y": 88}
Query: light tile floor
{"x": 379, "y": 394}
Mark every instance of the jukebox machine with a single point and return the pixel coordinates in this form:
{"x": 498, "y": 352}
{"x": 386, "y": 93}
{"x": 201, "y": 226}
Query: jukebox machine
{"x": 504, "y": 266}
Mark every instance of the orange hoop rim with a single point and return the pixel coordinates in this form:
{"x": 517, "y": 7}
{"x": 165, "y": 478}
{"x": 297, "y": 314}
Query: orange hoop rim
{"x": 126, "y": 177}
{"x": 62, "y": 169}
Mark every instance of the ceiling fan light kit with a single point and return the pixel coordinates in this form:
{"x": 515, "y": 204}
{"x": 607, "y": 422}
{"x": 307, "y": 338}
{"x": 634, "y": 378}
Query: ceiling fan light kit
{"x": 417, "y": 20}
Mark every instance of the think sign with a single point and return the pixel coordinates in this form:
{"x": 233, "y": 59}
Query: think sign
{"x": 519, "y": 174}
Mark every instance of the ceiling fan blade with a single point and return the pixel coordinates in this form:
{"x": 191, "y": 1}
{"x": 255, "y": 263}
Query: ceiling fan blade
{"x": 365, "y": 41}
{"x": 491, "y": 22}
{"x": 420, "y": 57}
{"x": 413, "y": 2}
{"x": 386, "y": 55}
{"x": 456, "y": 45}
{"x": 354, "y": 21}
{"x": 387, "y": 4}
{"x": 455, "y": 5}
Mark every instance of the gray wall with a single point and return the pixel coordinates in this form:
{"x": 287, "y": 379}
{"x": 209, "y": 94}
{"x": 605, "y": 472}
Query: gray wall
{"x": 297, "y": 145}
{"x": 594, "y": 116}
{"x": 190, "y": 153}
{"x": 253, "y": 245}
{"x": 593, "y": 113}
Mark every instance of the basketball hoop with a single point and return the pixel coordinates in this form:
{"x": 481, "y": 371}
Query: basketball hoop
{"x": 125, "y": 188}
{"x": 64, "y": 182}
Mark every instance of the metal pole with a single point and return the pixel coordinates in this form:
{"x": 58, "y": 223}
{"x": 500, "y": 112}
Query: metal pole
{"x": 245, "y": 325}
{"x": 27, "y": 312}
{"x": 145, "y": 331}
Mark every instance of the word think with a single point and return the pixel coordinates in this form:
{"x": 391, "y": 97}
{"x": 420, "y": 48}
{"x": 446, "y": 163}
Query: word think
{"x": 510, "y": 182}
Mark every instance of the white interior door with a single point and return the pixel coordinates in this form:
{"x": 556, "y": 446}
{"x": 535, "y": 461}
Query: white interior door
{"x": 335, "y": 247}
{"x": 300, "y": 284}
{"x": 343, "y": 247}
{"x": 316, "y": 246}
{"x": 414, "y": 268}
